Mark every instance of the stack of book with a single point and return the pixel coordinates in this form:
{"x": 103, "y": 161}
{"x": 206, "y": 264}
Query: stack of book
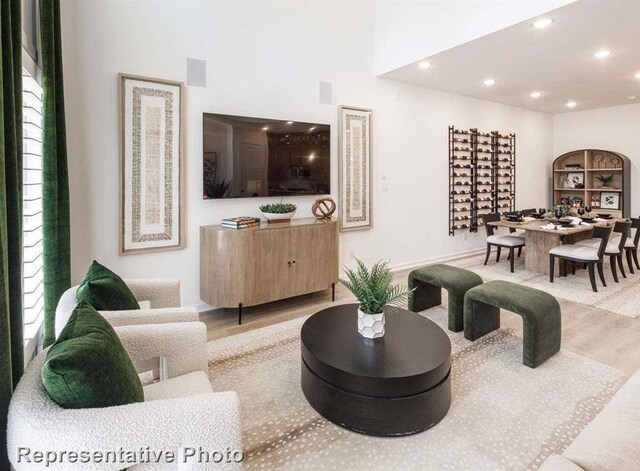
{"x": 241, "y": 222}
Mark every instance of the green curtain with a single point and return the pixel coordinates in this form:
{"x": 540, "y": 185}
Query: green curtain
{"x": 11, "y": 343}
{"x": 55, "y": 191}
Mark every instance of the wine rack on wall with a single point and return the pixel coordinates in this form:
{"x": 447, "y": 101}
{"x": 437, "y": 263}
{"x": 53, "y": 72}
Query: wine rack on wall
{"x": 482, "y": 171}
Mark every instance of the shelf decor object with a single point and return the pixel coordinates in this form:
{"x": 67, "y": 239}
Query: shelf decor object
{"x": 152, "y": 130}
{"x": 323, "y": 208}
{"x": 606, "y": 178}
{"x": 355, "y": 168}
{"x": 610, "y": 201}
{"x": 482, "y": 169}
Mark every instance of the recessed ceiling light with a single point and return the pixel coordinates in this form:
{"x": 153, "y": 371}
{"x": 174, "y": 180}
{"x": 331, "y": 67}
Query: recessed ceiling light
{"x": 289, "y": 122}
{"x": 312, "y": 128}
{"x": 632, "y": 97}
{"x": 571, "y": 104}
{"x": 543, "y": 23}
{"x": 266, "y": 128}
{"x": 602, "y": 54}
{"x": 536, "y": 94}
{"x": 489, "y": 82}
{"x": 637, "y": 75}
{"x": 424, "y": 65}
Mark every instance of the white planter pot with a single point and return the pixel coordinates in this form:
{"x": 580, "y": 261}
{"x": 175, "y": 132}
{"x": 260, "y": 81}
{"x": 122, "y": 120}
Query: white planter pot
{"x": 371, "y": 326}
{"x": 281, "y": 217}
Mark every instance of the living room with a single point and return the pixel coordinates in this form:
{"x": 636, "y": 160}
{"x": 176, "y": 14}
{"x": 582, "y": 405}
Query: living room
{"x": 435, "y": 88}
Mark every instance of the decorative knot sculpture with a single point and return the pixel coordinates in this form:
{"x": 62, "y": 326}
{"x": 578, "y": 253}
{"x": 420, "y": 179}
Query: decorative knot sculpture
{"x": 323, "y": 208}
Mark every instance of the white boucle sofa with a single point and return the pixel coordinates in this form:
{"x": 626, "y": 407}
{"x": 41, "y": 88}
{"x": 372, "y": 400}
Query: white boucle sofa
{"x": 178, "y": 414}
{"x": 611, "y": 442}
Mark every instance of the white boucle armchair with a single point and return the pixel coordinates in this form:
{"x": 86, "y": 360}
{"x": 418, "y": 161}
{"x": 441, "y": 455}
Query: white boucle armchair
{"x": 163, "y": 295}
{"x": 179, "y": 415}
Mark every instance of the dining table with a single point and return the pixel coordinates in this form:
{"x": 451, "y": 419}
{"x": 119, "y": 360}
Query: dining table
{"x": 539, "y": 239}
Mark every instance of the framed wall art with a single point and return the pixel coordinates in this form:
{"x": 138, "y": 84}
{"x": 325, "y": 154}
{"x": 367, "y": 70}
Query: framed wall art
{"x": 575, "y": 180}
{"x": 152, "y": 171}
{"x": 355, "y": 168}
{"x": 610, "y": 200}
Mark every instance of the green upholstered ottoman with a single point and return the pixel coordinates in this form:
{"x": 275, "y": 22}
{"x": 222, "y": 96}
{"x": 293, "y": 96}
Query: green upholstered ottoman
{"x": 541, "y": 318}
{"x": 430, "y": 280}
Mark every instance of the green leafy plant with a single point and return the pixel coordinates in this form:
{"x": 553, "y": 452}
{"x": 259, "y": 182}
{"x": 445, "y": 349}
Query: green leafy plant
{"x": 278, "y": 208}
{"x": 605, "y": 180}
{"x": 373, "y": 288}
{"x": 564, "y": 208}
{"x": 216, "y": 189}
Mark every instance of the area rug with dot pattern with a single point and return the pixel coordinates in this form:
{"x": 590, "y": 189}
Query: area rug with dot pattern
{"x": 503, "y": 415}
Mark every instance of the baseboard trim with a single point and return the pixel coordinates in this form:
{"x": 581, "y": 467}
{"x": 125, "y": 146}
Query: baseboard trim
{"x": 431, "y": 261}
{"x": 202, "y": 307}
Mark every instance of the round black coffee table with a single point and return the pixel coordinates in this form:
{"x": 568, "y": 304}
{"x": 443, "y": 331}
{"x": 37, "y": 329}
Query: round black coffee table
{"x": 397, "y": 385}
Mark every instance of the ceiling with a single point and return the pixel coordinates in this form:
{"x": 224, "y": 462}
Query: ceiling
{"x": 557, "y": 61}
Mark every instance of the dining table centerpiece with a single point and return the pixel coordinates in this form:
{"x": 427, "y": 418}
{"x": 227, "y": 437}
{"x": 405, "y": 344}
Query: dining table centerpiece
{"x": 559, "y": 211}
{"x": 375, "y": 291}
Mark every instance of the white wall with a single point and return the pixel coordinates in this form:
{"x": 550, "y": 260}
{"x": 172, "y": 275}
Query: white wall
{"x": 408, "y": 31}
{"x": 266, "y": 59}
{"x": 615, "y": 129}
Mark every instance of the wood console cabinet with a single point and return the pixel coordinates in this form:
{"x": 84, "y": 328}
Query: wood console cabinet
{"x": 274, "y": 261}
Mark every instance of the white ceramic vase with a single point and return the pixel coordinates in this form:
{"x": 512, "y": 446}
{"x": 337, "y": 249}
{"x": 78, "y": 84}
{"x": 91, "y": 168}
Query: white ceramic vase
{"x": 371, "y": 326}
{"x": 278, "y": 217}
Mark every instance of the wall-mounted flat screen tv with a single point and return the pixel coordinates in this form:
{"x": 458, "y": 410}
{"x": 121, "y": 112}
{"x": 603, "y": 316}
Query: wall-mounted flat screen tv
{"x": 251, "y": 157}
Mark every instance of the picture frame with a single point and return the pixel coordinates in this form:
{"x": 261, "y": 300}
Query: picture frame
{"x": 575, "y": 179}
{"x": 355, "y": 169}
{"x": 610, "y": 200}
{"x": 152, "y": 132}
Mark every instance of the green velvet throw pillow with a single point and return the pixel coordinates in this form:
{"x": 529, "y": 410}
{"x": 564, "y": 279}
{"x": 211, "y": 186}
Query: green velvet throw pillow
{"x": 105, "y": 290}
{"x": 88, "y": 366}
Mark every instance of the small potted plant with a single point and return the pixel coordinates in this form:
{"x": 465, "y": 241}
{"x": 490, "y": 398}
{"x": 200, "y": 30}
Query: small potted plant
{"x": 605, "y": 180}
{"x": 374, "y": 291}
{"x": 278, "y": 212}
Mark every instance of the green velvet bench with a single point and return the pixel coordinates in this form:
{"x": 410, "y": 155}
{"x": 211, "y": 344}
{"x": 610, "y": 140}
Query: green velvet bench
{"x": 541, "y": 317}
{"x": 430, "y": 280}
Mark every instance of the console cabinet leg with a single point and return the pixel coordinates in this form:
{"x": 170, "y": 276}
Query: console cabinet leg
{"x": 240, "y": 314}
{"x": 333, "y": 291}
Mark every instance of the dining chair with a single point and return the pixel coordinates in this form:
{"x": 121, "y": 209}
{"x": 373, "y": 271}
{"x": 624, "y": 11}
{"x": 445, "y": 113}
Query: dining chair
{"x": 615, "y": 247}
{"x": 631, "y": 246}
{"x": 516, "y": 232}
{"x": 510, "y": 242}
{"x": 591, "y": 256}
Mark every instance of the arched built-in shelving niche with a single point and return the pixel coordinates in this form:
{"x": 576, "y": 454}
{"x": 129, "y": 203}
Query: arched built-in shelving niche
{"x": 575, "y": 177}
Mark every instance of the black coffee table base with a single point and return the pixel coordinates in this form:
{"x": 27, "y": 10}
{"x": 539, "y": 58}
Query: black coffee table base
{"x": 379, "y": 416}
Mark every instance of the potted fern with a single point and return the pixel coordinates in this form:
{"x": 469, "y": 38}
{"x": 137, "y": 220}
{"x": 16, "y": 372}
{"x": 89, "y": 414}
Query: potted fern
{"x": 374, "y": 291}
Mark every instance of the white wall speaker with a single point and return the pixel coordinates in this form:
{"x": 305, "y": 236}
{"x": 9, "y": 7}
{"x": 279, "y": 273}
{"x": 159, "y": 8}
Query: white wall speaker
{"x": 196, "y": 72}
{"x": 326, "y": 93}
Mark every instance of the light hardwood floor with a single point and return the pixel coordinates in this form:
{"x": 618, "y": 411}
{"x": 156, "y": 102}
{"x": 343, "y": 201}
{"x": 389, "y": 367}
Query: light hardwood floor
{"x": 601, "y": 335}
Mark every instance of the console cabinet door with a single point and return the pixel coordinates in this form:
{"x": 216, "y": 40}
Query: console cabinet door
{"x": 313, "y": 251}
{"x": 272, "y": 278}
